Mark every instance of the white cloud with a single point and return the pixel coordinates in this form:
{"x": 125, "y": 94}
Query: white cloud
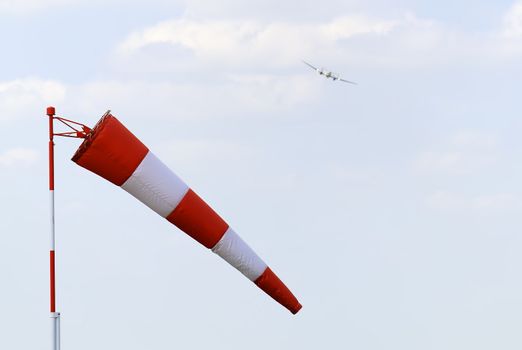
{"x": 235, "y": 41}
{"x": 506, "y": 41}
{"x": 229, "y": 45}
{"x": 512, "y": 24}
{"x": 187, "y": 153}
{"x": 17, "y": 6}
{"x": 466, "y": 153}
{"x": 20, "y": 96}
{"x": 224, "y": 36}
{"x": 355, "y": 39}
{"x": 496, "y": 201}
{"x": 20, "y": 7}
{"x": 234, "y": 96}
{"x": 446, "y": 200}
{"x": 474, "y": 140}
{"x": 18, "y": 157}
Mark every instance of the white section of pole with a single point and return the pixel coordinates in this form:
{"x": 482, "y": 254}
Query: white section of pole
{"x": 58, "y": 340}
{"x": 55, "y": 329}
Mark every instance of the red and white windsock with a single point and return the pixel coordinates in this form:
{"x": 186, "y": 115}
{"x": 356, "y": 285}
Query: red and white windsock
{"x": 113, "y": 152}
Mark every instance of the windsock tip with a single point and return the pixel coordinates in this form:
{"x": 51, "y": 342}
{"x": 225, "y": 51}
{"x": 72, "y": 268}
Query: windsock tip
{"x": 273, "y": 286}
{"x": 296, "y": 308}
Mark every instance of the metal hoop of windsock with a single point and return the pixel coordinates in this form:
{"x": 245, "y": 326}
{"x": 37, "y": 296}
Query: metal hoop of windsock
{"x": 111, "y": 151}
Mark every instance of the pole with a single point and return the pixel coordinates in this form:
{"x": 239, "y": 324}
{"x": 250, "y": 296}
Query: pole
{"x": 55, "y": 316}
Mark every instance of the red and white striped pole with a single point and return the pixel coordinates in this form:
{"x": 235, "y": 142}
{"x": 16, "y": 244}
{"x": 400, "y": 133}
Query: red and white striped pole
{"x": 55, "y": 316}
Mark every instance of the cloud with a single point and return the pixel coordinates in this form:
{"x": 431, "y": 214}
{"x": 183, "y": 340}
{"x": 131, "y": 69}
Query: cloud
{"x": 237, "y": 41}
{"x": 202, "y": 153}
{"x": 230, "y": 96}
{"x": 466, "y": 153}
{"x": 225, "y": 36}
{"x": 506, "y": 41}
{"x": 18, "y": 157}
{"x": 512, "y": 23}
{"x": 232, "y": 45}
{"x": 224, "y": 44}
{"x": 21, "y": 95}
{"x": 19, "y": 6}
{"x": 235, "y": 96}
{"x": 446, "y": 200}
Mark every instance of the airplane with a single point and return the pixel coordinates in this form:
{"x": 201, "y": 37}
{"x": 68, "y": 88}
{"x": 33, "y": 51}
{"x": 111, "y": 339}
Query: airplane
{"x": 328, "y": 74}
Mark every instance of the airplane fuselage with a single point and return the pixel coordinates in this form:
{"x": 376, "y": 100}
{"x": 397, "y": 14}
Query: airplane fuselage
{"x": 327, "y": 74}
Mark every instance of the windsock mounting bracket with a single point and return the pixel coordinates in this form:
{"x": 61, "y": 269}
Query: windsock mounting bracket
{"x": 79, "y": 130}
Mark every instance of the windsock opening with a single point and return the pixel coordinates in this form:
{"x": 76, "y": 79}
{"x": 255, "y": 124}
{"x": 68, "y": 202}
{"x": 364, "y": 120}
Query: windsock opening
{"x": 111, "y": 151}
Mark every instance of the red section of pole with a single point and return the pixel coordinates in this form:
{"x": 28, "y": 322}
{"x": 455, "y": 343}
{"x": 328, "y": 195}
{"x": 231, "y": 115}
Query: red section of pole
{"x": 51, "y": 112}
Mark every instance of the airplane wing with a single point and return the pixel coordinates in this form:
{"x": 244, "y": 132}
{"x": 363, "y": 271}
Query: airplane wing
{"x": 347, "y": 81}
{"x": 309, "y": 65}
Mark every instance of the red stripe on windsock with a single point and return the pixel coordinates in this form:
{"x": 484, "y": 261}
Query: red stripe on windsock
{"x": 111, "y": 151}
{"x": 274, "y": 287}
{"x": 197, "y": 219}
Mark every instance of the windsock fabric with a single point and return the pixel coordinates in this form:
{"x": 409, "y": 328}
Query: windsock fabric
{"x": 114, "y": 153}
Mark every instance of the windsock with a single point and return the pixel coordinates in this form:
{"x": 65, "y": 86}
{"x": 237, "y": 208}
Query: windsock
{"x": 114, "y": 153}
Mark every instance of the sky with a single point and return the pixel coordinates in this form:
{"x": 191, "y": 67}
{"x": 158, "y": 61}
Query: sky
{"x": 391, "y": 208}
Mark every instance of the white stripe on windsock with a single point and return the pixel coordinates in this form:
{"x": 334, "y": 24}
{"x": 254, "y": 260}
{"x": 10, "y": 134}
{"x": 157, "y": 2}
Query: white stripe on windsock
{"x": 162, "y": 190}
{"x": 156, "y": 185}
{"x": 238, "y": 254}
